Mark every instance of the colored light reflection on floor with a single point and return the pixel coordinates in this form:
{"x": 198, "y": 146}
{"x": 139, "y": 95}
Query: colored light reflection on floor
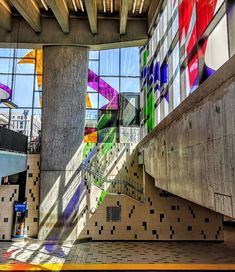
{"x": 103, "y": 255}
{"x": 126, "y": 267}
{"x": 34, "y": 253}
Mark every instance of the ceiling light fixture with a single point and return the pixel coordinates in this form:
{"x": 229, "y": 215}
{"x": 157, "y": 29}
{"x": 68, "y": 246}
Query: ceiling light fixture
{"x": 44, "y": 4}
{"x": 5, "y": 5}
{"x": 141, "y": 6}
{"x": 66, "y": 7}
{"x": 9, "y": 103}
{"x": 35, "y": 5}
{"x": 104, "y": 5}
{"x": 74, "y": 5}
{"x": 111, "y": 6}
{"x": 81, "y": 5}
{"x": 134, "y": 6}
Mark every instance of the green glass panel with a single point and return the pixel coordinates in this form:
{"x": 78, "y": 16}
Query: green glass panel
{"x": 146, "y": 54}
{"x": 101, "y": 198}
{"x": 150, "y": 110}
{"x": 86, "y": 150}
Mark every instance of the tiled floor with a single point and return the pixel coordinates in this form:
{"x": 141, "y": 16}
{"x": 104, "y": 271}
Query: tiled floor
{"x": 121, "y": 252}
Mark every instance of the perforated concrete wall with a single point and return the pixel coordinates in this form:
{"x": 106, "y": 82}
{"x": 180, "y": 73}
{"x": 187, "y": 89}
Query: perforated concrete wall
{"x": 162, "y": 216}
{"x": 32, "y": 194}
{"x": 8, "y": 195}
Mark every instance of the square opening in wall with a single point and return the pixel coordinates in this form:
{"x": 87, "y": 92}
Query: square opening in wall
{"x": 113, "y": 214}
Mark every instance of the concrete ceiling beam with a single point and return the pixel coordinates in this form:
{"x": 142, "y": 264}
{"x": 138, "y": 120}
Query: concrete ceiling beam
{"x": 124, "y": 7}
{"x": 107, "y": 37}
{"x": 5, "y": 18}
{"x": 91, "y": 8}
{"x": 29, "y": 11}
{"x": 153, "y": 11}
{"x": 61, "y": 13}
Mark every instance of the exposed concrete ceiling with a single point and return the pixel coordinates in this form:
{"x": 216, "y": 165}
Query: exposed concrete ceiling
{"x": 37, "y": 14}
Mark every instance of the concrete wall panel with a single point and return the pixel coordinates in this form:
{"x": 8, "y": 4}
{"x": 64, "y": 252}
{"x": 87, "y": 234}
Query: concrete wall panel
{"x": 191, "y": 152}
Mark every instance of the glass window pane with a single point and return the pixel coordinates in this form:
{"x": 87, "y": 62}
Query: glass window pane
{"x": 176, "y": 89}
{"x": 129, "y": 135}
{"x": 130, "y": 85}
{"x": 6, "y": 52}
{"x": 108, "y": 90}
{"x": 6, "y": 80}
{"x": 20, "y": 53}
{"x": 166, "y": 105}
{"x": 4, "y": 116}
{"x": 108, "y": 135}
{"x": 92, "y": 100}
{"x": 93, "y": 81}
{"x": 94, "y": 55}
{"x": 5, "y": 92}
{"x": 90, "y": 90}
{"x": 91, "y": 118}
{"x": 164, "y": 21}
{"x": 113, "y": 82}
{"x": 128, "y": 110}
{"x": 38, "y": 83}
{"x": 28, "y": 67}
{"x": 164, "y": 47}
{"x": 36, "y": 125}
{"x": 175, "y": 58}
{"x": 130, "y": 61}
{"x": 94, "y": 66}
{"x": 149, "y": 111}
{"x": 107, "y": 118}
{"x": 175, "y": 18}
{"x": 164, "y": 76}
{"x": 21, "y": 121}
{"x": 159, "y": 113}
{"x": 103, "y": 101}
{"x": 151, "y": 52}
{"x": 108, "y": 101}
{"x": 217, "y": 42}
{"x": 90, "y": 135}
{"x": 189, "y": 78}
{"x": 161, "y": 106}
{"x": 109, "y": 62}
{"x": 187, "y": 26}
{"x": 37, "y": 99}
{"x": 5, "y": 87}
{"x": 205, "y": 12}
{"x": 6, "y": 65}
{"x": 23, "y": 90}
{"x": 107, "y": 126}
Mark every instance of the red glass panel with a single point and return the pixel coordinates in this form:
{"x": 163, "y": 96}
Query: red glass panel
{"x": 205, "y": 13}
{"x": 193, "y": 72}
{"x": 187, "y": 24}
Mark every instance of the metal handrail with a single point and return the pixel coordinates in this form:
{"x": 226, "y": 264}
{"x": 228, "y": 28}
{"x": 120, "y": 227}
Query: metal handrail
{"x": 115, "y": 184}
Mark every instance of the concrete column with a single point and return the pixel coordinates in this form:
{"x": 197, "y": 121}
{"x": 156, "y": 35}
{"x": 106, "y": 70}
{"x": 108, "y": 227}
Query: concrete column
{"x": 65, "y": 71}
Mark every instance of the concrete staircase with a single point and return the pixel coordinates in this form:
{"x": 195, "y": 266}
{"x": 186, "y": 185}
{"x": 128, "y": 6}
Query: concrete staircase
{"x": 114, "y": 184}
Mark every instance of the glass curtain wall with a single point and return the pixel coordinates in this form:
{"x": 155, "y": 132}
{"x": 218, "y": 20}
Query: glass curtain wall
{"x": 181, "y": 53}
{"x": 113, "y": 96}
{"x": 112, "y": 99}
{"x": 21, "y": 83}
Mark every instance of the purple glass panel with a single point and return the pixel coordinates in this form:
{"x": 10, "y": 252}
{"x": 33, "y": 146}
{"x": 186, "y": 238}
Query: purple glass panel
{"x": 104, "y": 89}
{"x": 5, "y": 89}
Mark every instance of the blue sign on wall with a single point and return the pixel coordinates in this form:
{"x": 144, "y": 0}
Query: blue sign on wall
{"x": 20, "y": 207}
